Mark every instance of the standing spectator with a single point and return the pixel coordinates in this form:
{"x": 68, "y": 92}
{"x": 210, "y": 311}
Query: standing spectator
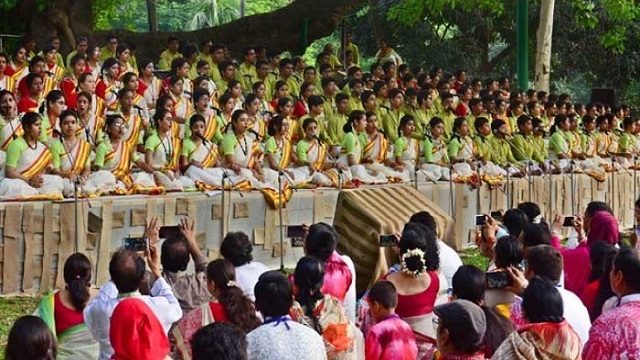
{"x": 280, "y": 338}
{"x": 237, "y": 248}
{"x": 169, "y": 54}
{"x": 461, "y": 328}
{"x": 390, "y": 338}
{"x": 62, "y": 310}
{"x": 219, "y": 341}
{"x": 136, "y": 332}
{"x": 127, "y": 270}
{"x": 189, "y": 288}
{"x": 29, "y": 339}
{"x": 548, "y": 335}
{"x": 616, "y": 333}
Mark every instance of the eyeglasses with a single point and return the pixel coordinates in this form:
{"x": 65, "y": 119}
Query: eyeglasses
{"x": 118, "y": 124}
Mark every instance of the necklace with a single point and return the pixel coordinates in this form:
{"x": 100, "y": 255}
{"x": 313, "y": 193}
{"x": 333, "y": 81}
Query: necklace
{"x": 168, "y": 152}
{"x": 34, "y": 146}
{"x": 244, "y": 149}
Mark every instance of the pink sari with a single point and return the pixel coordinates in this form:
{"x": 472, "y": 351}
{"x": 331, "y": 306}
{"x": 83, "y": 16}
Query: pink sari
{"x": 337, "y": 277}
{"x": 577, "y": 265}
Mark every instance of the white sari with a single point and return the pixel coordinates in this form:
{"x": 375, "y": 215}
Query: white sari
{"x": 377, "y": 149}
{"x": 358, "y": 171}
{"x": 32, "y": 162}
{"x": 165, "y": 159}
{"x": 436, "y": 170}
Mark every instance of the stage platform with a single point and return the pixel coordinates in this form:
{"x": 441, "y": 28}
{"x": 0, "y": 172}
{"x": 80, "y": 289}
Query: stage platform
{"x": 36, "y": 237}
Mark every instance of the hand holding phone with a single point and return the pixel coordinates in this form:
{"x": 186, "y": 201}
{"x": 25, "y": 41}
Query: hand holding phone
{"x": 137, "y": 244}
{"x": 481, "y": 219}
{"x": 568, "y": 221}
{"x": 498, "y": 280}
{"x": 389, "y": 240}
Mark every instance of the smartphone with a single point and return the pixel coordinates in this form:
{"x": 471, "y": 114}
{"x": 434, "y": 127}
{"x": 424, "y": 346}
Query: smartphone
{"x": 498, "y": 280}
{"x": 568, "y": 221}
{"x": 167, "y": 232}
{"x": 295, "y": 231}
{"x": 496, "y": 215}
{"x": 388, "y": 240}
{"x": 136, "y": 243}
{"x": 481, "y": 220}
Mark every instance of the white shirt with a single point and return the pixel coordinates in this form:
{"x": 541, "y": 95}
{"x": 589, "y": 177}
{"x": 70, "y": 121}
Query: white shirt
{"x": 449, "y": 261}
{"x": 285, "y": 341}
{"x": 349, "y": 302}
{"x": 97, "y": 314}
{"x": 247, "y": 276}
{"x": 576, "y": 314}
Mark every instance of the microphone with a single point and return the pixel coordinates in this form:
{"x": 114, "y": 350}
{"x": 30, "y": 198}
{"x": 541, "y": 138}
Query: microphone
{"x": 58, "y": 134}
{"x": 255, "y": 133}
{"x": 137, "y": 107}
{"x": 49, "y": 73}
{"x": 317, "y": 138}
{"x": 204, "y": 140}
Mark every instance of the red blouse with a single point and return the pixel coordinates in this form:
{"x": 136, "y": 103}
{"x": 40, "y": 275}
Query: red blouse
{"x": 218, "y": 312}
{"x": 421, "y": 303}
{"x": 65, "y": 317}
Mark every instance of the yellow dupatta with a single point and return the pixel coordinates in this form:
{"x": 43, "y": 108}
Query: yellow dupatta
{"x": 38, "y": 166}
{"x": 123, "y": 166}
{"x": 211, "y": 126}
{"x": 383, "y": 148}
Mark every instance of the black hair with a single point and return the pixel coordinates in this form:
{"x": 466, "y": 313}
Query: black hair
{"x": 366, "y": 95}
{"x": 275, "y": 124}
{"x": 384, "y": 293}
{"x": 195, "y": 118}
{"x": 542, "y": 302}
{"x": 237, "y": 248}
{"x": 426, "y": 219}
{"x": 498, "y": 329}
{"x": 175, "y": 254}
{"x": 468, "y": 283}
{"x": 546, "y": 262}
{"x": 123, "y": 92}
{"x": 74, "y": 60}
{"x": 36, "y": 59}
{"x": 199, "y": 93}
{"x": 435, "y": 121}
{"x": 239, "y": 308}
{"x": 514, "y": 220}
{"x": 127, "y": 270}
{"x": 403, "y": 122}
{"x": 29, "y": 119}
{"x": 628, "y": 262}
{"x": 309, "y": 278}
{"x": 315, "y": 100}
{"x": 305, "y": 86}
{"x": 111, "y": 119}
{"x": 530, "y": 209}
{"x": 354, "y": 116}
{"x": 159, "y": 115}
{"x": 222, "y": 341}
{"x": 282, "y": 102}
{"x": 341, "y": 97}
{"x": 557, "y": 121}
{"x": 479, "y": 122}
{"x": 251, "y": 97}
{"x": 107, "y": 64}
{"x": 321, "y": 241}
{"x": 418, "y": 236}
{"x": 605, "y": 292}
{"x": 274, "y": 295}
{"x": 457, "y": 123}
{"x": 535, "y": 234}
{"x": 52, "y": 97}
{"x": 77, "y": 276}
{"x": 508, "y": 252}
{"x": 189, "y": 51}
{"x": 122, "y": 47}
{"x": 599, "y": 252}
{"x": 597, "y": 206}
{"x": 30, "y": 338}
{"x": 176, "y": 64}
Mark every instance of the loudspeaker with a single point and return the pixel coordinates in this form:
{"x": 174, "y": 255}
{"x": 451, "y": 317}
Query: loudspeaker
{"x": 604, "y": 96}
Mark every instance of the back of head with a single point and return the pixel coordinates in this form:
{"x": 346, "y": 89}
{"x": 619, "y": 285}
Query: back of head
{"x": 627, "y": 262}
{"x": 136, "y": 333}
{"x": 514, "y": 220}
{"x": 599, "y": 252}
{"x": 531, "y": 209}
{"x": 308, "y": 279}
{"x": 604, "y": 227}
{"x": 384, "y": 293}
{"x": 274, "y": 295}
{"x": 30, "y": 338}
{"x": 77, "y": 276}
{"x": 426, "y": 219}
{"x": 175, "y": 254}
{"x": 507, "y": 252}
{"x": 418, "y": 249}
{"x": 220, "y": 341}
{"x": 465, "y": 322}
{"x": 597, "y": 206}
{"x": 542, "y": 302}
{"x": 127, "y": 270}
{"x": 321, "y": 241}
{"x": 468, "y": 283}
{"x": 535, "y": 234}
{"x": 237, "y": 248}
{"x": 546, "y": 262}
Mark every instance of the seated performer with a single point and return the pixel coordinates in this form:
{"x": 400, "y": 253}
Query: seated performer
{"x": 26, "y": 165}
{"x": 406, "y": 149}
{"x": 436, "y": 158}
{"x": 278, "y": 150}
{"x": 11, "y": 126}
{"x": 71, "y": 155}
{"x": 241, "y": 152}
{"x": 461, "y": 149}
{"x": 376, "y": 152}
{"x": 352, "y": 144}
{"x": 162, "y": 151}
{"x": 90, "y": 124}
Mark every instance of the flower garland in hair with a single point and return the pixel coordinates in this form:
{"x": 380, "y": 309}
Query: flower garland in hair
{"x": 231, "y": 283}
{"x": 411, "y": 254}
{"x": 537, "y": 219}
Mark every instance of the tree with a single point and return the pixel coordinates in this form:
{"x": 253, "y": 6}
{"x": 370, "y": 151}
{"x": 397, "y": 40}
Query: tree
{"x": 543, "y": 48}
{"x": 278, "y": 30}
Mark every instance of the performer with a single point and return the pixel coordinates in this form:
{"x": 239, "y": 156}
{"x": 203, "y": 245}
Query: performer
{"x": 376, "y": 152}
{"x": 436, "y": 158}
{"x": 27, "y": 164}
{"x": 108, "y": 86}
{"x": 354, "y": 141}
{"x": 241, "y": 152}
{"x": 11, "y": 125}
{"x": 71, "y": 155}
{"x": 406, "y": 149}
{"x": 90, "y": 125}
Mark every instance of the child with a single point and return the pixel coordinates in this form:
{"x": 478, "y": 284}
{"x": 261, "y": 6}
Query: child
{"x": 390, "y": 338}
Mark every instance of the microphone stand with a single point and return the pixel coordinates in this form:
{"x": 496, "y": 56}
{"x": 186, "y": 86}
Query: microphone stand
{"x": 478, "y": 165}
{"x": 529, "y": 176}
{"x": 613, "y": 182}
{"x": 635, "y": 186}
{"x": 76, "y": 184}
{"x": 415, "y": 176}
{"x": 282, "y": 175}
{"x": 573, "y": 188}
{"x": 549, "y": 174}
{"x": 451, "y": 189}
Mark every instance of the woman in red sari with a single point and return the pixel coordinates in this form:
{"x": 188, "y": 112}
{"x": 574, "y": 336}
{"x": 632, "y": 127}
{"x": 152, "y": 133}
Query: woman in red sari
{"x": 32, "y": 100}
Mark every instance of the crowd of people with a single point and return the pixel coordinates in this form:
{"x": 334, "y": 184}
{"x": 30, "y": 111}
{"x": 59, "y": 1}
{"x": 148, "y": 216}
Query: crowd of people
{"x": 539, "y": 298}
{"x": 112, "y": 124}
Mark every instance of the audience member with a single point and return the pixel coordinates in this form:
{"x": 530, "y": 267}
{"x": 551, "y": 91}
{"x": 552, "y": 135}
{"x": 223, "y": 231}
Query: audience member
{"x": 237, "y": 248}
{"x": 29, "y": 339}
{"x": 616, "y": 333}
{"x": 548, "y": 335}
{"x": 280, "y": 338}
{"x": 546, "y": 262}
{"x": 598, "y": 290}
{"x": 229, "y": 304}
{"x": 219, "y": 341}
{"x": 390, "y": 338}
{"x": 62, "y": 310}
{"x": 127, "y": 270}
{"x": 321, "y": 312}
{"x": 461, "y": 328}
{"x": 136, "y": 332}
{"x": 189, "y": 288}
{"x": 507, "y": 253}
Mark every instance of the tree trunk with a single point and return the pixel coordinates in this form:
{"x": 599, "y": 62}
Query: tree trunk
{"x": 543, "y": 48}
{"x": 152, "y": 15}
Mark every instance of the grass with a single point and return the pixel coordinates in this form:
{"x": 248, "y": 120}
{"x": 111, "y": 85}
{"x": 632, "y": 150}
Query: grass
{"x": 12, "y": 308}
{"x": 472, "y": 256}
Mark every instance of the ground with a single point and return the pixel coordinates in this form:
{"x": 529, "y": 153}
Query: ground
{"x": 13, "y": 307}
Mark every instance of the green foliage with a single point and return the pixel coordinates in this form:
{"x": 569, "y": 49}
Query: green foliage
{"x": 409, "y": 12}
{"x": 473, "y": 256}
{"x": 11, "y": 309}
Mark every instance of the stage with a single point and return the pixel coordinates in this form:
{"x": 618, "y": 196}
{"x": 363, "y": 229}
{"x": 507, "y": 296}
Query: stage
{"x": 31, "y": 232}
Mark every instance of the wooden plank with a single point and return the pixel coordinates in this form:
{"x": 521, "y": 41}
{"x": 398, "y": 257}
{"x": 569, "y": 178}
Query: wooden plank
{"x": 48, "y": 248}
{"x": 11, "y": 260}
{"x": 27, "y": 229}
{"x": 104, "y": 244}
{"x": 67, "y": 239}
